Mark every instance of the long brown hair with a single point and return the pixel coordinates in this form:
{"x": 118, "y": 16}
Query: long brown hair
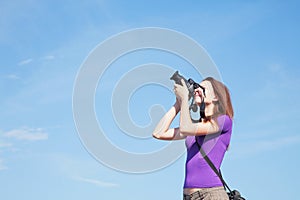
{"x": 223, "y": 105}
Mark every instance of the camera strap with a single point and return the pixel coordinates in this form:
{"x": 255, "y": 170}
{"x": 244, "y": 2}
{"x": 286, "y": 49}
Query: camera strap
{"x": 212, "y": 166}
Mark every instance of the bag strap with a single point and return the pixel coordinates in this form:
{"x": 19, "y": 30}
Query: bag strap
{"x": 212, "y": 166}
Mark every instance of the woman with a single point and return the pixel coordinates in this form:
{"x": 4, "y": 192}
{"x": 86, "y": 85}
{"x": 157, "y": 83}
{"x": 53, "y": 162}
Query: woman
{"x": 213, "y": 134}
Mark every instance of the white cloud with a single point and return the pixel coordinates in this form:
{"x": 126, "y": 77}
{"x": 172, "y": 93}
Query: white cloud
{"x": 49, "y": 57}
{"x": 4, "y": 144}
{"x": 23, "y": 134}
{"x": 277, "y": 143}
{"x": 25, "y": 62}
{"x": 2, "y": 166}
{"x": 95, "y": 182}
{"x": 31, "y": 134}
{"x": 275, "y": 67}
{"x": 3, "y": 147}
{"x": 29, "y": 60}
{"x": 12, "y": 77}
{"x": 256, "y": 147}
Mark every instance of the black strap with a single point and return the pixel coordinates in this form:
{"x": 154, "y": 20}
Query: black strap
{"x": 213, "y": 167}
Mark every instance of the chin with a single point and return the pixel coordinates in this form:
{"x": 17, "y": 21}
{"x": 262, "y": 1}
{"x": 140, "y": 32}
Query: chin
{"x": 209, "y": 115}
{"x": 197, "y": 100}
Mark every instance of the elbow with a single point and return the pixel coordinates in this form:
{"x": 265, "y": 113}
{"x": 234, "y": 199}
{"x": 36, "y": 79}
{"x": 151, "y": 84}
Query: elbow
{"x": 156, "y": 135}
{"x": 160, "y": 136}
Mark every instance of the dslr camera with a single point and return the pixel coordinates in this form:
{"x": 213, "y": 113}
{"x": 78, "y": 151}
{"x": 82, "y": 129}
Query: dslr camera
{"x": 191, "y": 85}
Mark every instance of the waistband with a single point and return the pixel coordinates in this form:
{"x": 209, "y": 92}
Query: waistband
{"x": 201, "y": 192}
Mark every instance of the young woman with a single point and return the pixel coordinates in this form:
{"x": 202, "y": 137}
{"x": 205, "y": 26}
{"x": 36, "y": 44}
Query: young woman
{"x": 212, "y": 133}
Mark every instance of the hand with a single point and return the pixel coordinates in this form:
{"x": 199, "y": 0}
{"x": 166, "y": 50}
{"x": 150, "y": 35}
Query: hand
{"x": 181, "y": 91}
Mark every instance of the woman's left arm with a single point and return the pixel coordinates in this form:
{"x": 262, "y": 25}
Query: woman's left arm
{"x": 187, "y": 127}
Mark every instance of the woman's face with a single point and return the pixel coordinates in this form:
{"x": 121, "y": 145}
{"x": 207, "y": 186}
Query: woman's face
{"x": 208, "y": 98}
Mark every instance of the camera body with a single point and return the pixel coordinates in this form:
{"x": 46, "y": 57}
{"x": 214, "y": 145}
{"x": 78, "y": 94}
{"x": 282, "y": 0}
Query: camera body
{"x": 191, "y": 85}
{"x": 176, "y": 77}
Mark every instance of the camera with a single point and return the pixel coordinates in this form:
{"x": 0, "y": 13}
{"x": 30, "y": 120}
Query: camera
{"x": 190, "y": 83}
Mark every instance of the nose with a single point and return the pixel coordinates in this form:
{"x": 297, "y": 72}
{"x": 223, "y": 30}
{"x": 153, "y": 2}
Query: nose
{"x": 198, "y": 91}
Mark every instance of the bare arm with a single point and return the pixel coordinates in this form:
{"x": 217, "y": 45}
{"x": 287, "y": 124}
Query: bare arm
{"x": 187, "y": 127}
{"x": 163, "y": 131}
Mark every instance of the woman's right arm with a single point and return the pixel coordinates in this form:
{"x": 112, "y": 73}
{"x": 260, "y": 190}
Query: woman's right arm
{"x": 163, "y": 131}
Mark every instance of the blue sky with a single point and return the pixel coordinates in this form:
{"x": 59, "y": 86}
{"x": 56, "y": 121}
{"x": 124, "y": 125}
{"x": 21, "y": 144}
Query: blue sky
{"x": 255, "y": 45}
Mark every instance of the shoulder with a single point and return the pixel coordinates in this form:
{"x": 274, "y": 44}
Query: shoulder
{"x": 224, "y": 122}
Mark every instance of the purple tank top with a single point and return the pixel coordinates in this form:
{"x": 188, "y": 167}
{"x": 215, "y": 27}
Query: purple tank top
{"x": 198, "y": 173}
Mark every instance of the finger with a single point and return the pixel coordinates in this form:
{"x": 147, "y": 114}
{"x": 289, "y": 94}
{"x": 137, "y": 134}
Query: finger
{"x": 176, "y": 86}
{"x": 183, "y": 82}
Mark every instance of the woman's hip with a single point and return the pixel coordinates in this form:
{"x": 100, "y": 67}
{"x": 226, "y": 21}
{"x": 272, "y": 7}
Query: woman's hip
{"x": 214, "y": 193}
